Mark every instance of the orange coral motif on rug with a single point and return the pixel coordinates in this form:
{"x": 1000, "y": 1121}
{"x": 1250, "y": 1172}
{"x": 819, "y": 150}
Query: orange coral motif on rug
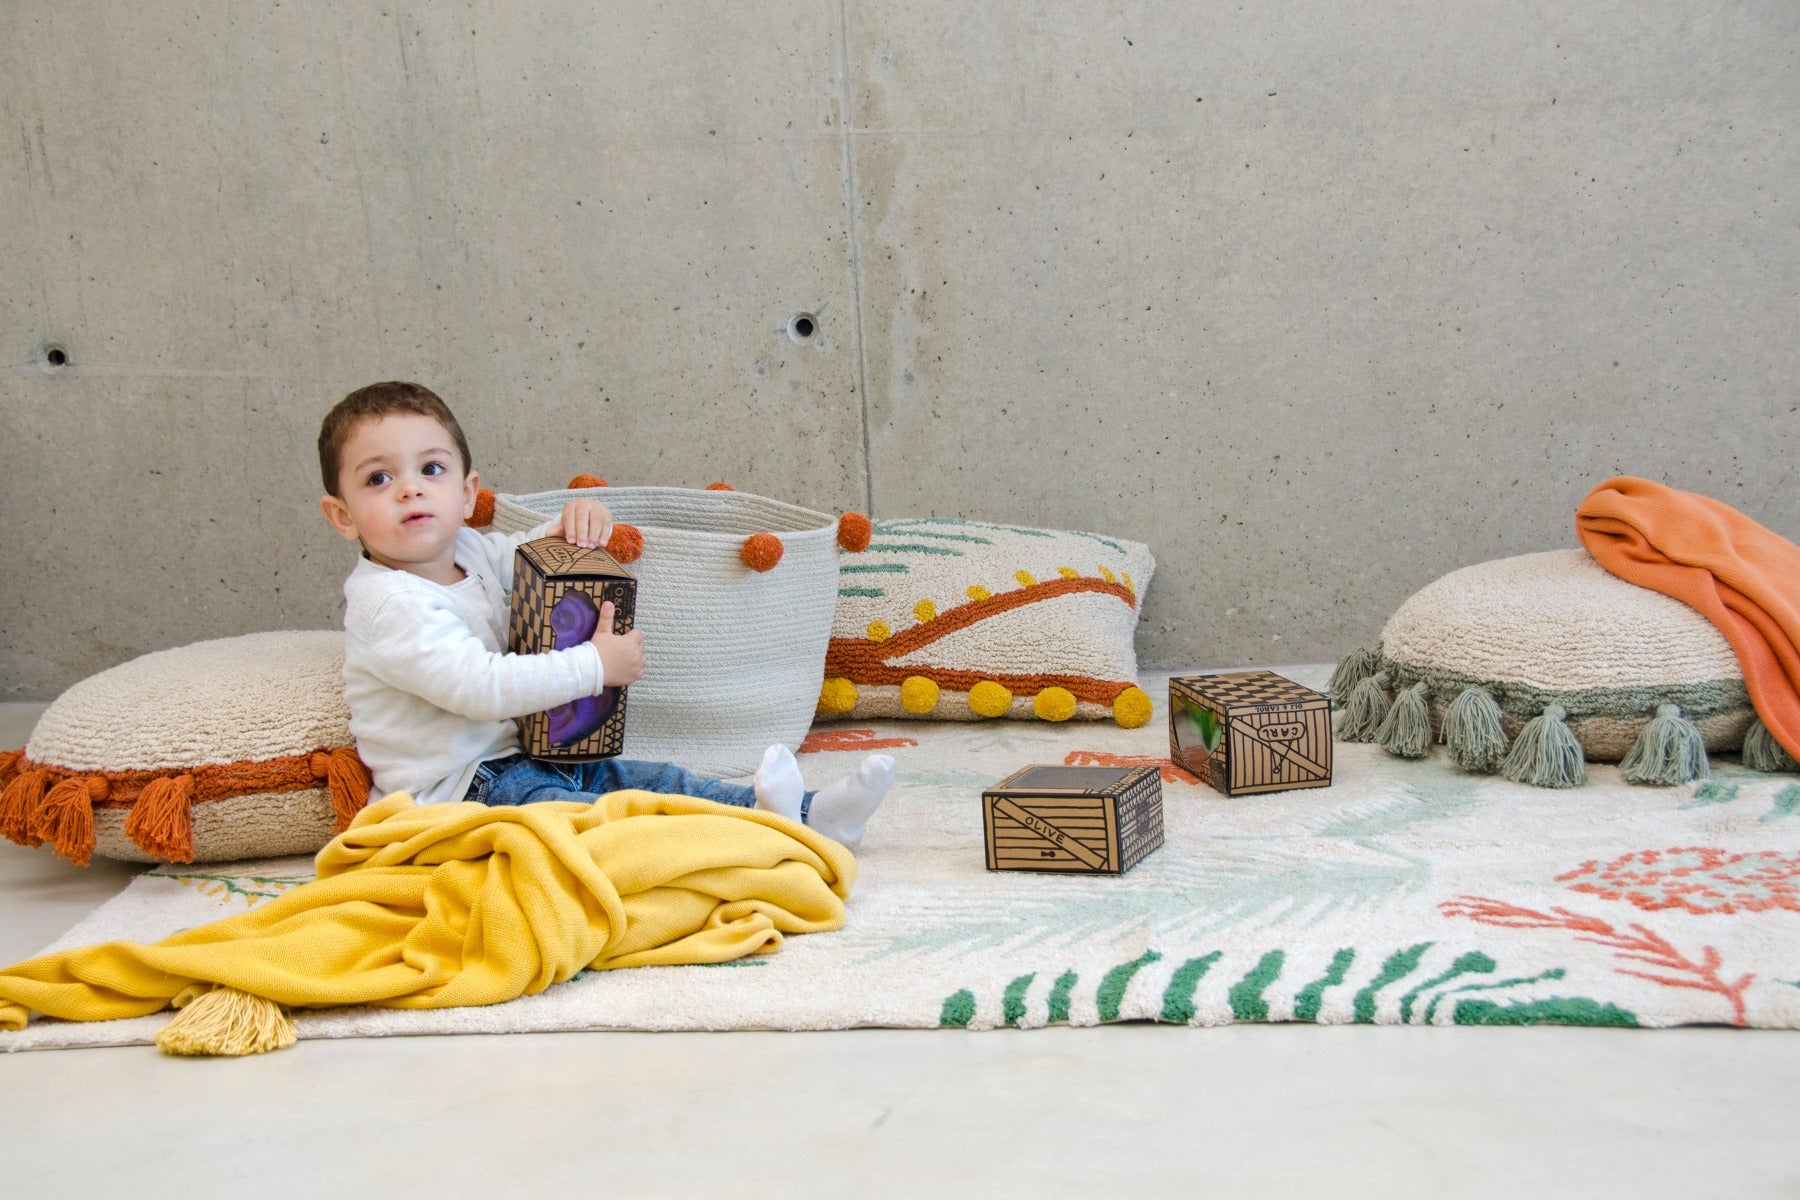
{"x": 851, "y": 739}
{"x": 1700, "y": 880}
{"x": 1100, "y": 758}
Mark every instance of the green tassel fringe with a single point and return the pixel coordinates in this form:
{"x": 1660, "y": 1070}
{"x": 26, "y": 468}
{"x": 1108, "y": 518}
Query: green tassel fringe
{"x": 1763, "y": 753}
{"x": 1669, "y": 750}
{"x": 1367, "y": 709}
{"x": 1546, "y": 754}
{"x": 1406, "y": 731}
{"x": 1473, "y": 732}
{"x": 1352, "y": 669}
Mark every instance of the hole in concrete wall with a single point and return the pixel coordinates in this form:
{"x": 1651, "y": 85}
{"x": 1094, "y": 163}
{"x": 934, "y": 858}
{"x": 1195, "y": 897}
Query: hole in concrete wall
{"x": 803, "y": 327}
{"x": 53, "y": 356}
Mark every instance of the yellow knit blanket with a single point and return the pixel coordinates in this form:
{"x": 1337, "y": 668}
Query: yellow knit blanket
{"x": 446, "y": 905}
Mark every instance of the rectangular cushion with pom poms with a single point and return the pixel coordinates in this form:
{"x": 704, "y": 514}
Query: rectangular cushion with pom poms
{"x": 963, "y": 620}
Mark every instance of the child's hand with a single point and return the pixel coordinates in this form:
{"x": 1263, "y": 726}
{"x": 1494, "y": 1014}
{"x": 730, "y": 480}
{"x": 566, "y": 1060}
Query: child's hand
{"x": 621, "y": 654}
{"x": 586, "y": 523}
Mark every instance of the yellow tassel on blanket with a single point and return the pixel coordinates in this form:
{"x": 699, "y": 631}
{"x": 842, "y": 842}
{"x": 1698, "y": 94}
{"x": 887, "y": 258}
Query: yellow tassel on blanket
{"x": 225, "y": 1021}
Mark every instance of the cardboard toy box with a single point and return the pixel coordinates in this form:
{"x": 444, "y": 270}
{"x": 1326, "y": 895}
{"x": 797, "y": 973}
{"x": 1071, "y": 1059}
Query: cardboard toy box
{"x": 1092, "y": 820}
{"x": 1252, "y": 731}
{"x": 556, "y": 595}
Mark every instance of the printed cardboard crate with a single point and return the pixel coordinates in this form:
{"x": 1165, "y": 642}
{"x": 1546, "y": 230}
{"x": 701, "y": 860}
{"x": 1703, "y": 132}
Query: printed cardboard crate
{"x": 1252, "y": 731}
{"x": 1092, "y": 820}
{"x": 557, "y": 592}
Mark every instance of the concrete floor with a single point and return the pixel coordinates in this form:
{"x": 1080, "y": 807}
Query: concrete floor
{"x": 1122, "y": 1110}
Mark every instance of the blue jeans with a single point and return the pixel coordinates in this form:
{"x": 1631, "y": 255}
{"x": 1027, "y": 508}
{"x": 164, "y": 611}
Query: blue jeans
{"x": 519, "y": 779}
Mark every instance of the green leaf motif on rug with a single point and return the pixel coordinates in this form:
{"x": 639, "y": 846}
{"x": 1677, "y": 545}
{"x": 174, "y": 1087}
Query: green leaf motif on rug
{"x": 1248, "y": 999}
{"x": 1713, "y": 792}
{"x": 1787, "y": 804}
{"x": 1558, "y": 1010}
{"x": 1399, "y": 965}
{"x": 1312, "y": 996}
{"x": 251, "y": 888}
{"x": 1178, "y": 997}
{"x": 1012, "y": 1004}
{"x": 1112, "y": 988}
{"x": 1473, "y": 963}
{"x": 1553, "y": 973}
{"x": 1059, "y": 997}
{"x": 1245, "y": 997}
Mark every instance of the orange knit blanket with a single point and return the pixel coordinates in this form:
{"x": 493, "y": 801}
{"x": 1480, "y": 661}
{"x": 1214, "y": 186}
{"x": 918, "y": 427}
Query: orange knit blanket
{"x": 1741, "y": 576}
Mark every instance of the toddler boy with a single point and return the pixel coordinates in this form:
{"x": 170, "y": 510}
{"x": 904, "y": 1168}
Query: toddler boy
{"x": 431, "y": 689}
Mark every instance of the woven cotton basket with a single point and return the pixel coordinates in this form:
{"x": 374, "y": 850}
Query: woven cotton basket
{"x": 734, "y": 656}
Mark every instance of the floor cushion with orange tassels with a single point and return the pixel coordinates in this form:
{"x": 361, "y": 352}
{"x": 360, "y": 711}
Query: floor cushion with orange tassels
{"x": 227, "y": 749}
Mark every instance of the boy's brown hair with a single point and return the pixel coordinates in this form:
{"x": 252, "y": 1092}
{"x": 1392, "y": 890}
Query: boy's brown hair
{"x": 372, "y": 403}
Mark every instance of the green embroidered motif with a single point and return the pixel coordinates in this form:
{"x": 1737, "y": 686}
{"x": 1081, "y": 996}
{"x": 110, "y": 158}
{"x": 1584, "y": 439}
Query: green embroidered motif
{"x": 1711, "y": 793}
{"x": 1573, "y": 1010}
{"x": 1059, "y": 997}
{"x": 959, "y": 1010}
{"x": 1012, "y": 1004}
{"x": 251, "y": 887}
{"x": 1473, "y": 963}
{"x": 1787, "y": 804}
{"x": 1399, "y": 965}
{"x": 1178, "y": 997}
{"x": 1431, "y": 1009}
{"x": 869, "y": 593}
{"x": 1307, "y": 1003}
{"x": 912, "y": 548}
{"x": 1246, "y": 999}
{"x": 1112, "y": 988}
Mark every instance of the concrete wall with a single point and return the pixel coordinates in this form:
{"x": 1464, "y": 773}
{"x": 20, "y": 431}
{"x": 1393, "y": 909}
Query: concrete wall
{"x": 1319, "y": 299}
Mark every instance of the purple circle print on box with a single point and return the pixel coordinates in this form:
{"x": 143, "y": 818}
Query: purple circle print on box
{"x": 573, "y": 619}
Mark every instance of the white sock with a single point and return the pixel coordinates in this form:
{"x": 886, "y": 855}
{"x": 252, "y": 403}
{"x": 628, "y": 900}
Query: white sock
{"x": 778, "y": 785}
{"x": 840, "y": 810}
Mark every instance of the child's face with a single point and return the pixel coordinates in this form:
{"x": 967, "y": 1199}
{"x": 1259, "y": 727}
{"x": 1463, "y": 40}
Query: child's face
{"x": 404, "y": 495}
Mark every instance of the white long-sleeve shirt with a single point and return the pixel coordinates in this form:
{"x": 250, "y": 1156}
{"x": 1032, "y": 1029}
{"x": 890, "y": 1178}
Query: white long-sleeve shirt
{"x": 431, "y": 690}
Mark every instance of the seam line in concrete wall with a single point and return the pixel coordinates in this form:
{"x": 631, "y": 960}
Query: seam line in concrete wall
{"x": 846, "y": 122}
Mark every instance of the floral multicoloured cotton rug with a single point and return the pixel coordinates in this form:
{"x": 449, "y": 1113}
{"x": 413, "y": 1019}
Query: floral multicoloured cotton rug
{"x": 1407, "y": 892}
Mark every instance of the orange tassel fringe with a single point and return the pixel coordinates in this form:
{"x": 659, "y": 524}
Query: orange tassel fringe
{"x": 66, "y": 820}
{"x": 350, "y": 784}
{"x": 20, "y": 802}
{"x": 39, "y": 803}
{"x": 162, "y": 821}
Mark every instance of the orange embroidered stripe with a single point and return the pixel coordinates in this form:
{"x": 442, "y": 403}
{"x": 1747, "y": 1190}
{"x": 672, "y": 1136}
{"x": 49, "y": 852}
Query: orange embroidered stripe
{"x": 965, "y": 615}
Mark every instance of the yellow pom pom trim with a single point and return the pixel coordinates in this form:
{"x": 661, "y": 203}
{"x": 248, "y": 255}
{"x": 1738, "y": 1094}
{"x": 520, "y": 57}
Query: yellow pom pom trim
{"x": 1054, "y": 704}
{"x": 925, "y": 610}
{"x": 1107, "y": 575}
{"x": 918, "y": 695}
{"x": 1132, "y": 708}
{"x": 1068, "y": 572}
{"x": 977, "y": 592}
{"x": 837, "y": 697}
{"x": 1025, "y": 578}
{"x": 989, "y": 699}
{"x": 879, "y": 632}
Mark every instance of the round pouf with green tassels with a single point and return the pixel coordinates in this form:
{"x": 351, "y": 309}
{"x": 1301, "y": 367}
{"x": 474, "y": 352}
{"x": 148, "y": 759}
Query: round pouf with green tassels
{"x": 1534, "y": 666}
